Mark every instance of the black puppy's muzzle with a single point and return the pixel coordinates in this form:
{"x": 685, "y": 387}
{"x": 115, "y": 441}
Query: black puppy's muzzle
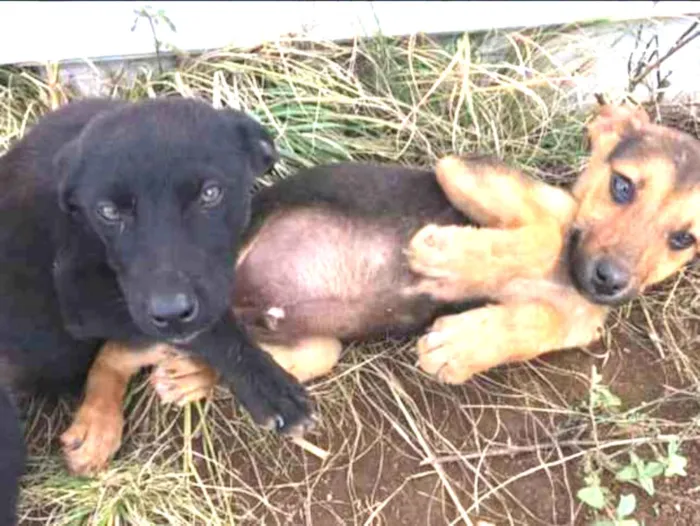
{"x": 172, "y": 307}
{"x": 602, "y": 279}
{"x": 171, "y": 304}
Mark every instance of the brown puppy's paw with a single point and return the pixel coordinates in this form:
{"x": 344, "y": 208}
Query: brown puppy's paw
{"x": 181, "y": 379}
{"x": 452, "y": 351}
{"x": 431, "y": 251}
{"x": 92, "y": 439}
{"x": 449, "y": 260}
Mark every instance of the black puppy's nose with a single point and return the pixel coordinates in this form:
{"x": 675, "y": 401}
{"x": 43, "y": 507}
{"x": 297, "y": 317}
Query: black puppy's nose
{"x": 609, "y": 278}
{"x": 165, "y": 308}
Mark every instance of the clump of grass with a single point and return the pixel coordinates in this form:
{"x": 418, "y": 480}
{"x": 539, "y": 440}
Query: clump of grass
{"x": 402, "y": 447}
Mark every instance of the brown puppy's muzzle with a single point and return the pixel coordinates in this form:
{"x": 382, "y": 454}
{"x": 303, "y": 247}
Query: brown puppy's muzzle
{"x": 602, "y": 278}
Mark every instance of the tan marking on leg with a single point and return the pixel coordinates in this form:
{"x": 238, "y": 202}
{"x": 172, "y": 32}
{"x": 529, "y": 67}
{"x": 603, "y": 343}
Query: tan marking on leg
{"x": 459, "y": 346}
{"x": 180, "y": 379}
{"x": 461, "y": 261}
{"x": 498, "y": 196}
{"x": 522, "y": 234}
{"x": 96, "y": 432}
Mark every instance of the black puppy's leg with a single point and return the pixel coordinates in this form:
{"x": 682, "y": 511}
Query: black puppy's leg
{"x": 273, "y": 397}
{"x": 12, "y": 454}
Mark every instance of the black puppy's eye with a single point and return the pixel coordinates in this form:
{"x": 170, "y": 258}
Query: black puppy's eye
{"x": 681, "y": 240}
{"x": 621, "y": 189}
{"x": 211, "y": 195}
{"x": 108, "y": 212}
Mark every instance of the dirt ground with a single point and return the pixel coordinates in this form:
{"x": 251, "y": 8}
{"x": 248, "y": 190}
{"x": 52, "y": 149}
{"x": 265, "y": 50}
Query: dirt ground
{"x": 413, "y": 495}
{"x": 543, "y": 497}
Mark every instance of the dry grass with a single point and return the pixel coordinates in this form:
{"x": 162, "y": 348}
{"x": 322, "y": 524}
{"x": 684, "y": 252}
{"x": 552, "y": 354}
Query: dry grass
{"x": 512, "y": 445}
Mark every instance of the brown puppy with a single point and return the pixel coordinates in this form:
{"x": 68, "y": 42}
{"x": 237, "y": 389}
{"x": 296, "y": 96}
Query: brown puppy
{"x": 542, "y": 299}
{"x": 553, "y": 262}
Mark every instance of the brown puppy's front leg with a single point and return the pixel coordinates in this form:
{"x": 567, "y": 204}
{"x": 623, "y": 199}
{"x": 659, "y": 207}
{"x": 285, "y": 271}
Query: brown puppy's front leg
{"x": 459, "y": 346}
{"x": 456, "y": 262}
{"x": 523, "y": 227}
{"x": 96, "y": 432}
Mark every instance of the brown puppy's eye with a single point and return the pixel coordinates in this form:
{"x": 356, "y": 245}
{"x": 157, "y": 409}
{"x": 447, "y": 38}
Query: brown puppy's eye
{"x": 211, "y": 195}
{"x": 621, "y": 189}
{"x": 681, "y": 240}
{"x": 108, "y": 212}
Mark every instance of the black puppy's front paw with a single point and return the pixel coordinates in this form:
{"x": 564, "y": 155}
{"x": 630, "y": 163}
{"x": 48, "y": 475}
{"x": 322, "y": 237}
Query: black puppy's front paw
{"x": 276, "y": 400}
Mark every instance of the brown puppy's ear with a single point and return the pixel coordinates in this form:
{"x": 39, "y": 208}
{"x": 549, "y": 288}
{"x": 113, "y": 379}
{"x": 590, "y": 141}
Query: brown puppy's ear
{"x": 65, "y": 164}
{"x": 614, "y": 122}
{"x": 256, "y": 141}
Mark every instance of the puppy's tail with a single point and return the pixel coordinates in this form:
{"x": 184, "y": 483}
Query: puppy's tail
{"x": 12, "y": 456}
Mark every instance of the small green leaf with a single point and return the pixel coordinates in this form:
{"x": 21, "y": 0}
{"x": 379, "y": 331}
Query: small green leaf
{"x": 170, "y": 24}
{"x": 626, "y": 506}
{"x": 647, "y": 484}
{"x": 627, "y": 474}
{"x": 593, "y": 496}
{"x": 673, "y": 447}
{"x": 609, "y": 399}
{"x": 653, "y": 469}
{"x": 676, "y": 466}
{"x": 592, "y": 479}
{"x": 636, "y": 461}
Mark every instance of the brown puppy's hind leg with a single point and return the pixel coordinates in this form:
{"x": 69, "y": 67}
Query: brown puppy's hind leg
{"x": 459, "y": 346}
{"x": 308, "y": 358}
{"x": 96, "y": 432}
{"x": 497, "y": 196}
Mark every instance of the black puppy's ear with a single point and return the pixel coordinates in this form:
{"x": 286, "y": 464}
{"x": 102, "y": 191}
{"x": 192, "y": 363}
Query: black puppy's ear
{"x": 65, "y": 166}
{"x": 256, "y": 140}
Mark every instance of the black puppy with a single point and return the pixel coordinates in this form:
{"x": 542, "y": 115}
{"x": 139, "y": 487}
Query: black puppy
{"x": 118, "y": 222}
{"x": 11, "y": 458}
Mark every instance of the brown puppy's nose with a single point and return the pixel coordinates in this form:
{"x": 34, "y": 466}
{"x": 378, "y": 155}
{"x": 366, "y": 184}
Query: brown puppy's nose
{"x": 609, "y": 278}
{"x": 168, "y": 307}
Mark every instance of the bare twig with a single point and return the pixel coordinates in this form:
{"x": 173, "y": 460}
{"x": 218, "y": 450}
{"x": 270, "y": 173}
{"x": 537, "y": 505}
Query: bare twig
{"x": 588, "y": 444}
{"x": 400, "y": 396}
{"x": 680, "y": 43}
{"x": 600, "y": 99}
{"x": 310, "y": 447}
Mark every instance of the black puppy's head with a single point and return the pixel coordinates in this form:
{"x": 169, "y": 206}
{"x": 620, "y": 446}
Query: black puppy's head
{"x": 165, "y": 185}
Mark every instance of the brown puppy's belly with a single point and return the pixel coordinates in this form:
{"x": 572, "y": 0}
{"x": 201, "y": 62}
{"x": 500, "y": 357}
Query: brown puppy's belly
{"x": 313, "y": 271}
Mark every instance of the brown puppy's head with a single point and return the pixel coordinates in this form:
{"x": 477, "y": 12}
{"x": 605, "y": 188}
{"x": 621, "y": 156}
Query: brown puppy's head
{"x": 639, "y": 215}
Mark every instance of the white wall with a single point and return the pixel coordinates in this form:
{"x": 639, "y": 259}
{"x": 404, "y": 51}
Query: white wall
{"x": 43, "y": 31}
{"x": 85, "y": 32}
